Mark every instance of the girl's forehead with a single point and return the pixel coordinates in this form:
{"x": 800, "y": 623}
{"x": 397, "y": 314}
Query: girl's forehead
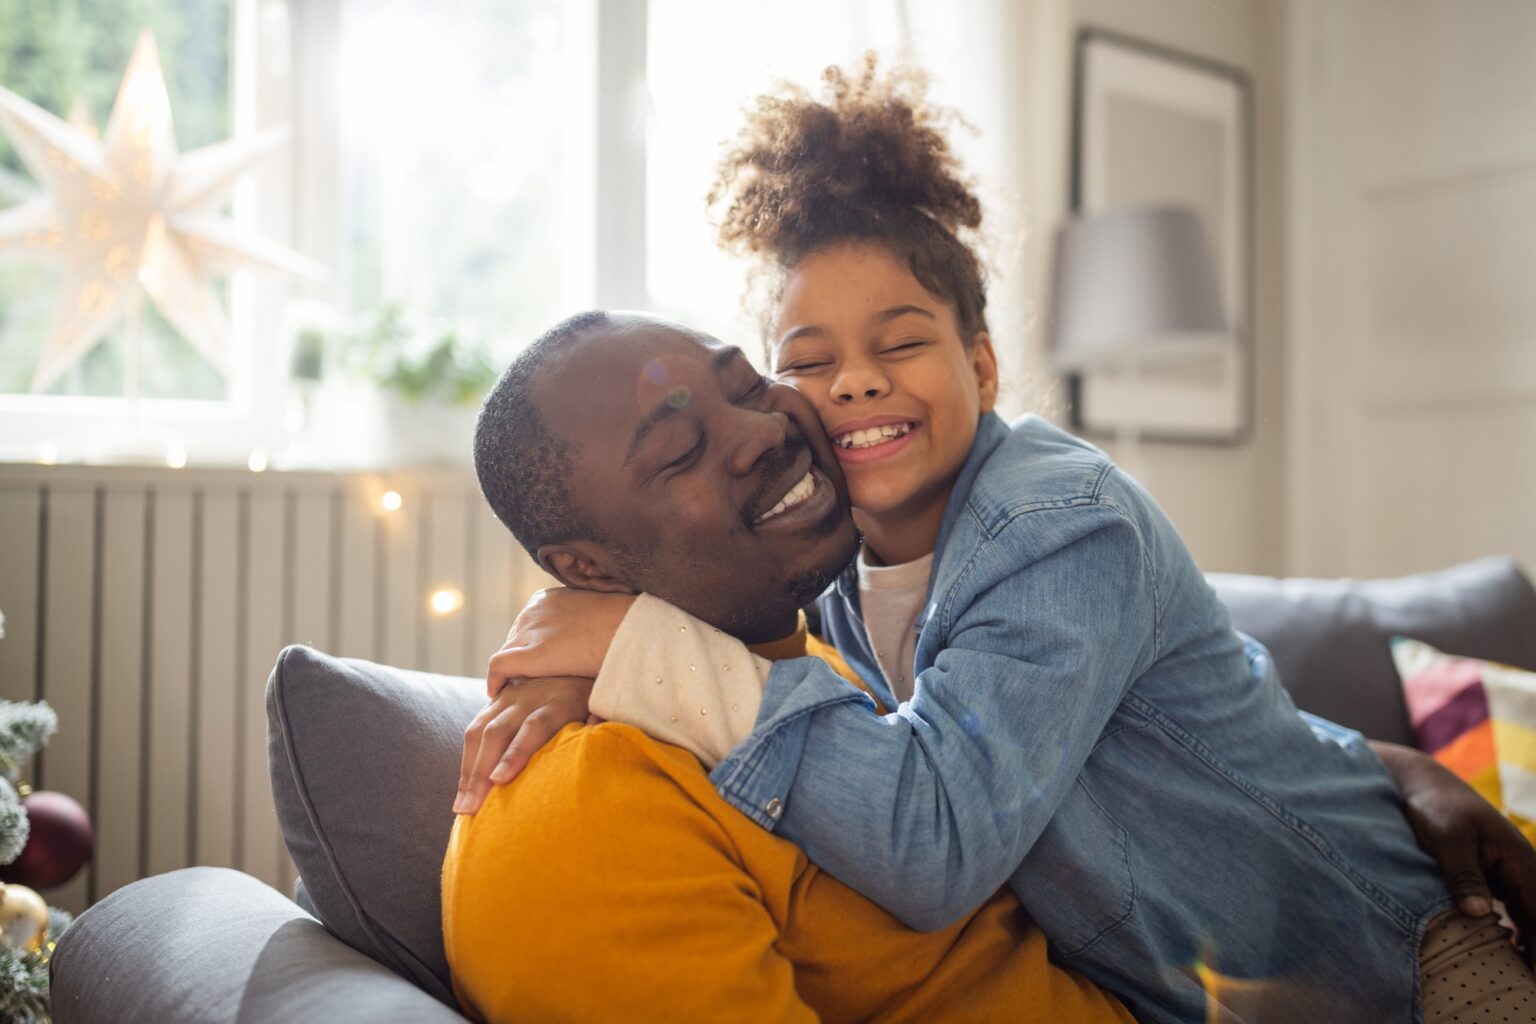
{"x": 848, "y": 283}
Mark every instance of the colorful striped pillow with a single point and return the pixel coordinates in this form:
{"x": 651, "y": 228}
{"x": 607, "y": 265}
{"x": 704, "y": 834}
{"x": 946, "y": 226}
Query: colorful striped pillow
{"x": 1478, "y": 718}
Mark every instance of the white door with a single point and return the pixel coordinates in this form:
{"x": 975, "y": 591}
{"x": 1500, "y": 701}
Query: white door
{"x": 1412, "y": 369}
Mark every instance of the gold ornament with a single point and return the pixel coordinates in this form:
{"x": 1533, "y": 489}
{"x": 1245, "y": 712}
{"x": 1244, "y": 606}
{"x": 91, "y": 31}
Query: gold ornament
{"x": 23, "y": 918}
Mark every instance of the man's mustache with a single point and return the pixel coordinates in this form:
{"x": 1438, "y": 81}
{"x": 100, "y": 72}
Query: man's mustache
{"x": 771, "y": 469}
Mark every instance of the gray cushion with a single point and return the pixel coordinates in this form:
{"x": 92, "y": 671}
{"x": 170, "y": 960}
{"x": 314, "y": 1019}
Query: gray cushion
{"x": 365, "y": 763}
{"x": 215, "y": 946}
{"x": 1330, "y": 638}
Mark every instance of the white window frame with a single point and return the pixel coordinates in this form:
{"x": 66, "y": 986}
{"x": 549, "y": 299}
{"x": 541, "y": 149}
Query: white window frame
{"x": 284, "y": 71}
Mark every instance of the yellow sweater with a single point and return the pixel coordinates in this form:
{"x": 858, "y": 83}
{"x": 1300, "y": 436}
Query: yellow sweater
{"x": 611, "y": 882}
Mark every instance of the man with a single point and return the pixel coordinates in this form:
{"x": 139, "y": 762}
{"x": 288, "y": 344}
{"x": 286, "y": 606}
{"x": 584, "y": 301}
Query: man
{"x": 629, "y": 454}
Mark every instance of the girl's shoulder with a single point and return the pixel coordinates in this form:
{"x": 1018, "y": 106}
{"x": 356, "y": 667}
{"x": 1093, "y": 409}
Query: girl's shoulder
{"x": 1034, "y": 464}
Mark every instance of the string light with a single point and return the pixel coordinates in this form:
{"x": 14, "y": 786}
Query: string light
{"x": 447, "y": 600}
{"x": 258, "y": 461}
{"x": 176, "y": 458}
{"x": 390, "y": 501}
{"x": 48, "y": 455}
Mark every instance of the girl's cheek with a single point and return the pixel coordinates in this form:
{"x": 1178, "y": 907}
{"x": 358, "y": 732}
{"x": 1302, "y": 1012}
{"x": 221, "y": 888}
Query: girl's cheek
{"x": 817, "y": 393}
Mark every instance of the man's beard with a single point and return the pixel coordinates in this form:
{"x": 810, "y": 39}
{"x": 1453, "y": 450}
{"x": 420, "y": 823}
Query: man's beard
{"x": 806, "y": 587}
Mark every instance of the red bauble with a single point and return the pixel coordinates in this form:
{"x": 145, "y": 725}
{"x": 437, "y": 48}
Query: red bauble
{"x": 59, "y": 844}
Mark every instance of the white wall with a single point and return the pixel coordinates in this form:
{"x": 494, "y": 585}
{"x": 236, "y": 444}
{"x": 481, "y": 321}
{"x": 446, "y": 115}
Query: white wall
{"x": 1227, "y": 500}
{"x": 1413, "y": 317}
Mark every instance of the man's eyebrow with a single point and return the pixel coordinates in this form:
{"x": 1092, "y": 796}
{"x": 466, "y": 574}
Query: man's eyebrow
{"x": 882, "y": 317}
{"x": 725, "y": 356}
{"x": 669, "y": 406}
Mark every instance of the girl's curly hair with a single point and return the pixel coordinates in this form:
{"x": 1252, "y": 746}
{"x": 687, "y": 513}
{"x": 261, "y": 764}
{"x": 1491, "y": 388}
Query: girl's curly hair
{"x": 867, "y": 161}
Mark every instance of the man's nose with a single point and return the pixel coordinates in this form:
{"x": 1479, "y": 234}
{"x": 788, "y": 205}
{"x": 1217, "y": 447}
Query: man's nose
{"x": 760, "y": 432}
{"x": 859, "y": 383}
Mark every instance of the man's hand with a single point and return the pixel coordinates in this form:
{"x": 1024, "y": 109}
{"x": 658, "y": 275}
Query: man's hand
{"x": 560, "y": 632}
{"x": 1482, "y": 854}
{"x": 513, "y": 727}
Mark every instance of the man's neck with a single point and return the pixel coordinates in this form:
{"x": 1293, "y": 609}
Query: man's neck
{"x": 788, "y": 645}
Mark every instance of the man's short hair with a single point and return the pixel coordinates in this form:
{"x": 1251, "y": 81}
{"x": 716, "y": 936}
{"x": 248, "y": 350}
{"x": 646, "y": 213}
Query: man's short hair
{"x": 524, "y": 470}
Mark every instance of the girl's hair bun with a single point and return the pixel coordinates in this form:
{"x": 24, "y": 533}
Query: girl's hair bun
{"x": 865, "y": 160}
{"x": 870, "y": 141}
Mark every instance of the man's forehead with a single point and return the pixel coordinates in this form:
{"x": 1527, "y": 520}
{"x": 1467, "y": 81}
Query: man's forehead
{"x": 611, "y": 382}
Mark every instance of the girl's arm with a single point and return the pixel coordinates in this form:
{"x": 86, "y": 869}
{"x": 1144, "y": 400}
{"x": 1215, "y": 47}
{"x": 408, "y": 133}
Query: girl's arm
{"x": 929, "y": 810}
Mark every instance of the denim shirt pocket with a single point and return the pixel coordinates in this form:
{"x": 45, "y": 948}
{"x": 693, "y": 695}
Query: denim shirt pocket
{"x": 1077, "y": 880}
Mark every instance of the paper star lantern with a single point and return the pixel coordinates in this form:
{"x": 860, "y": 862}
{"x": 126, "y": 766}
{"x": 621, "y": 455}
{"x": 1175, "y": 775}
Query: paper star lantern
{"x": 127, "y": 212}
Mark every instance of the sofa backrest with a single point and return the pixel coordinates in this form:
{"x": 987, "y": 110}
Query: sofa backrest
{"x": 365, "y": 764}
{"x": 365, "y": 758}
{"x": 1330, "y": 638}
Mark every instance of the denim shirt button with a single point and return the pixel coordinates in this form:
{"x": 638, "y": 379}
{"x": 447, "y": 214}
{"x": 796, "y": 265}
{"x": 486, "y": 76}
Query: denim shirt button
{"x": 774, "y": 808}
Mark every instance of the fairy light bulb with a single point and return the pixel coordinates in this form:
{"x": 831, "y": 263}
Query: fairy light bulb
{"x": 446, "y": 600}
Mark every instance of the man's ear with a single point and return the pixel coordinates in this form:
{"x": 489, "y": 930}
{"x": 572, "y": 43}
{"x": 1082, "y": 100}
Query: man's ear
{"x": 984, "y": 363}
{"x": 584, "y": 566}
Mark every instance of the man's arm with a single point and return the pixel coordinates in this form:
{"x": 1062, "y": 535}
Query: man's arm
{"x": 625, "y": 898}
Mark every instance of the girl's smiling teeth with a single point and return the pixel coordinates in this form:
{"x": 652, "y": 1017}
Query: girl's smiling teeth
{"x": 872, "y": 436}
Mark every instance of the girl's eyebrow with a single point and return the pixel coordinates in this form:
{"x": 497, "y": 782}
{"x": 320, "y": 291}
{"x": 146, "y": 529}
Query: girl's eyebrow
{"x": 887, "y": 315}
{"x": 808, "y": 331}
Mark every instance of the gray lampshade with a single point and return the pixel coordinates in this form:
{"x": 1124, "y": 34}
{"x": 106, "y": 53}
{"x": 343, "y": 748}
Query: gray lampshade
{"x": 1138, "y": 284}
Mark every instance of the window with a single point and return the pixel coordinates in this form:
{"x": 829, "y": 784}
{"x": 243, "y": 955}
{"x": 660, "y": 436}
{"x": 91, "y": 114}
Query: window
{"x": 493, "y": 167}
{"x": 453, "y": 162}
{"x": 700, "y": 78}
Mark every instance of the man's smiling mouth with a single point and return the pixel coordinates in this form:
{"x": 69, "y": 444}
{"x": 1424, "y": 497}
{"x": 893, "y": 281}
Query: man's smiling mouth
{"x": 795, "y": 497}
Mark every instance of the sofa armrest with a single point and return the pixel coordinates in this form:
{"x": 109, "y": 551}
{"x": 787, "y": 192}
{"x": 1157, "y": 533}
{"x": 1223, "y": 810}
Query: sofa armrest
{"x": 215, "y": 946}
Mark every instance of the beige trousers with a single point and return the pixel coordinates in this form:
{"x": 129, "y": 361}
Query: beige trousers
{"x": 1471, "y": 974}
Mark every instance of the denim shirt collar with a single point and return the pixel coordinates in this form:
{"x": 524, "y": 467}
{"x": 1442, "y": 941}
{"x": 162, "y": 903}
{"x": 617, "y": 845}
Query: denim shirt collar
{"x": 991, "y": 431}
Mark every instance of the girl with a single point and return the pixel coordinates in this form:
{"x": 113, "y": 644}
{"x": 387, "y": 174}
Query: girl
{"x": 1075, "y": 716}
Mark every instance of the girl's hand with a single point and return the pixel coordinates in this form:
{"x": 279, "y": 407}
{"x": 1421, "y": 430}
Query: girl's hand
{"x": 560, "y": 632}
{"x": 1482, "y": 854}
{"x": 512, "y": 728}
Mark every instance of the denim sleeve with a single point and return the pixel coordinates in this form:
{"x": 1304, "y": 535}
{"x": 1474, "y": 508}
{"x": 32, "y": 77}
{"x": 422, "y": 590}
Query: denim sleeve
{"x": 929, "y": 810}
{"x": 1352, "y": 742}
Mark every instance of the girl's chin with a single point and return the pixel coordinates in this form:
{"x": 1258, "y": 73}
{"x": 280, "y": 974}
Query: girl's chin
{"x": 877, "y": 500}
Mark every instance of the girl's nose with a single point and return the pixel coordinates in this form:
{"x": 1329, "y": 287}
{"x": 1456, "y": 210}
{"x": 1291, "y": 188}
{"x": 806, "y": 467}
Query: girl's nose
{"x": 856, "y": 384}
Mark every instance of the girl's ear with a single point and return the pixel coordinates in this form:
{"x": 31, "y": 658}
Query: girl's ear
{"x": 984, "y": 364}
{"x": 583, "y": 566}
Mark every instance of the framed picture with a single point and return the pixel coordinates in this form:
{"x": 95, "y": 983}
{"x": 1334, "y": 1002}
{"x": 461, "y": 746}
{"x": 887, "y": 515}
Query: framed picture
{"x": 1152, "y": 126}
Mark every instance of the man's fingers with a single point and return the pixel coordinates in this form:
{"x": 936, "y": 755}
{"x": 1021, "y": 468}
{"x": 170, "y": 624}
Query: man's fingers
{"x": 1464, "y": 876}
{"x": 1472, "y": 894}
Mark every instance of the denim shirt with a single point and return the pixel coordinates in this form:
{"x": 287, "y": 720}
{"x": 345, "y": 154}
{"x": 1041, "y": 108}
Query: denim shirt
{"x": 1088, "y": 729}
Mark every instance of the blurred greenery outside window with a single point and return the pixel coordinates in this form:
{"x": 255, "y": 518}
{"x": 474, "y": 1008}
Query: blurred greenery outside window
{"x": 68, "y": 57}
{"x": 452, "y": 164}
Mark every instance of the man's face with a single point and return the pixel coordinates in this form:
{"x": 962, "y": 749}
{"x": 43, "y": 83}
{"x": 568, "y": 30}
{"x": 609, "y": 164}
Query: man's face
{"x": 714, "y": 488}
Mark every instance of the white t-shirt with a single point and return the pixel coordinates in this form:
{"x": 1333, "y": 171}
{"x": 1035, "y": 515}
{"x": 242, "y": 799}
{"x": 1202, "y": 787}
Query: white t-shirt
{"x": 891, "y": 598}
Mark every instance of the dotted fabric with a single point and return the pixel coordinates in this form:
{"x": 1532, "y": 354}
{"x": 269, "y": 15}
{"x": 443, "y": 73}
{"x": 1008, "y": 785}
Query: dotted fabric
{"x": 1471, "y": 973}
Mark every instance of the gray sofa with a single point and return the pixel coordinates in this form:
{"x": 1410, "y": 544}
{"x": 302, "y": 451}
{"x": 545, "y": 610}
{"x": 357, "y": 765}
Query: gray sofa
{"x": 364, "y": 761}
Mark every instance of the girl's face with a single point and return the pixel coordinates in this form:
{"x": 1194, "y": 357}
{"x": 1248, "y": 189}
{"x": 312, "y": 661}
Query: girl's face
{"x": 884, "y": 363}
